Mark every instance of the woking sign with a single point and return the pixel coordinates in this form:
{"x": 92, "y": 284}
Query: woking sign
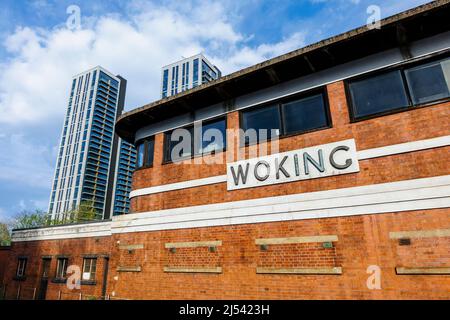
{"x": 309, "y": 163}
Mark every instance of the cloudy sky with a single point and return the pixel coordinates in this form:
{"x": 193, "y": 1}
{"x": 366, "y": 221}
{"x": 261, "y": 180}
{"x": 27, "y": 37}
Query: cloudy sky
{"x": 39, "y": 55}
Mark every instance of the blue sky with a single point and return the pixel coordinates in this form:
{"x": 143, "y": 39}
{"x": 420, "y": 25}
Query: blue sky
{"x": 39, "y": 55}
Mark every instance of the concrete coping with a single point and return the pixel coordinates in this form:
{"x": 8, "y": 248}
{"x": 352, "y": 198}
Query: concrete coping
{"x": 293, "y": 240}
{"x": 438, "y": 233}
{"x": 193, "y": 244}
{"x": 422, "y": 271}
{"x": 129, "y": 269}
{"x": 312, "y": 271}
{"x": 193, "y": 270}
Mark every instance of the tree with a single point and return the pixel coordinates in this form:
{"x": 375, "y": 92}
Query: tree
{"x": 86, "y": 211}
{"x": 5, "y": 237}
{"x": 35, "y": 219}
{"x": 27, "y": 219}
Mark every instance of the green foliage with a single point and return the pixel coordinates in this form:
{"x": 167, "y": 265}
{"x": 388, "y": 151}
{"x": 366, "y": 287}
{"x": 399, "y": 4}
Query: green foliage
{"x": 26, "y": 219}
{"x": 83, "y": 213}
{"x": 86, "y": 211}
{"x": 5, "y": 236}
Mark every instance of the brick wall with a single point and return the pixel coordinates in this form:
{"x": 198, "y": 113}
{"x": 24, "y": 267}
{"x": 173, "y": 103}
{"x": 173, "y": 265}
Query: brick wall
{"x": 4, "y": 257}
{"x": 35, "y": 251}
{"x": 397, "y": 128}
{"x": 362, "y": 241}
{"x": 141, "y": 267}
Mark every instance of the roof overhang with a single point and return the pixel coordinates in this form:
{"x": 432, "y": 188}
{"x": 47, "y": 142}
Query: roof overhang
{"x": 396, "y": 32}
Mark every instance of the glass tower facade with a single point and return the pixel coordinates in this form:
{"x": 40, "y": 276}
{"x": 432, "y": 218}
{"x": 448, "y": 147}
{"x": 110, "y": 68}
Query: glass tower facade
{"x": 89, "y": 149}
{"x": 125, "y": 165}
{"x": 187, "y": 74}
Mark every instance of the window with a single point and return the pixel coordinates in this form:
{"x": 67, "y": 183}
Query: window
{"x": 150, "y": 152}
{"x": 61, "y": 268}
{"x": 211, "y": 137}
{"x": 165, "y": 82}
{"x": 195, "y": 80}
{"x": 265, "y": 118}
{"x": 21, "y": 266}
{"x": 173, "y": 138}
{"x": 429, "y": 82}
{"x": 378, "y": 94}
{"x": 145, "y": 151}
{"x": 45, "y": 267}
{"x": 89, "y": 269}
{"x": 399, "y": 89}
{"x": 304, "y": 115}
{"x": 288, "y": 116}
{"x": 140, "y": 154}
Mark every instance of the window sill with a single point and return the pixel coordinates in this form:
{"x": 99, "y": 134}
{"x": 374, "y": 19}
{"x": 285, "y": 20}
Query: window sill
{"x": 88, "y": 282}
{"x": 284, "y": 136}
{"x": 354, "y": 119}
{"x": 142, "y": 168}
{"x": 183, "y": 159}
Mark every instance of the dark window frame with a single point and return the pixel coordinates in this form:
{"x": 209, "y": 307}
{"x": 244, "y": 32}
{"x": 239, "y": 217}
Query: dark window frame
{"x": 63, "y": 278}
{"x": 45, "y": 273}
{"x": 166, "y": 149}
{"x": 93, "y": 280}
{"x": 401, "y": 67}
{"x": 145, "y": 141}
{"x": 22, "y": 276}
{"x": 280, "y": 102}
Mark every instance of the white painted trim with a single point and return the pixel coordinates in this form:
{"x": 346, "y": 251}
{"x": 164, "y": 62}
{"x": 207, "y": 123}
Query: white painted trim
{"x": 362, "y": 155}
{"x": 193, "y": 244}
{"x": 100, "y": 229}
{"x": 299, "y": 270}
{"x": 404, "y": 148}
{"x": 179, "y": 185}
{"x": 407, "y": 195}
{"x": 293, "y": 240}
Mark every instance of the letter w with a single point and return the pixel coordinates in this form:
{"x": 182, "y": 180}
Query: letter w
{"x": 240, "y": 173}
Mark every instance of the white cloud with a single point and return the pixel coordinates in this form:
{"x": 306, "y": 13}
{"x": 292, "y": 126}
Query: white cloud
{"x": 35, "y": 79}
{"x": 245, "y": 56}
{"x": 34, "y": 83}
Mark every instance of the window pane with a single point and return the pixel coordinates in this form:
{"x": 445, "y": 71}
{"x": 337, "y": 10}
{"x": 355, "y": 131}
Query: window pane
{"x": 429, "y": 82}
{"x": 182, "y": 140}
{"x": 45, "y": 267}
{"x": 89, "y": 268}
{"x": 86, "y": 269}
{"x": 378, "y": 94}
{"x": 213, "y": 136}
{"x": 21, "y": 267}
{"x": 267, "y": 118}
{"x": 305, "y": 114}
{"x": 150, "y": 151}
{"x": 61, "y": 268}
{"x": 140, "y": 155}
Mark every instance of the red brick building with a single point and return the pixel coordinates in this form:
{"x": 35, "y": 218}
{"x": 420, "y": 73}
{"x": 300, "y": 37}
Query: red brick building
{"x": 353, "y": 204}
{"x": 4, "y": 256}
